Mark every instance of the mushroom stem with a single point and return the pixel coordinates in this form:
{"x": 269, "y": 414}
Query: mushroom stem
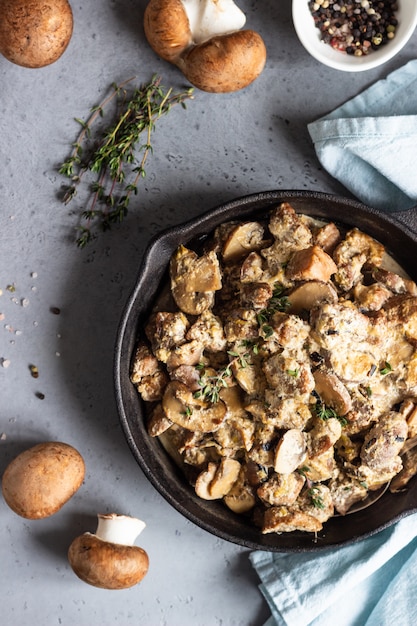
{"x": 212, "y": 17}
{"x": 119, "y": 529}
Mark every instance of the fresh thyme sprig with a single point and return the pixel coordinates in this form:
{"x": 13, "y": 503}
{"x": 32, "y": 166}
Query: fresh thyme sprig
{"x": 212, "y": 384}
{"x": 324, "y": 413}
{"x": 113, "y": 156}
{"x": 277, "y": 303}
{"x": 316, "y": 498}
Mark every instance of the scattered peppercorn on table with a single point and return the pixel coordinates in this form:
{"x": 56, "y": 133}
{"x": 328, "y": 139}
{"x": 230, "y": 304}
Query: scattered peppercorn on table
{"x": 60, "y": 304}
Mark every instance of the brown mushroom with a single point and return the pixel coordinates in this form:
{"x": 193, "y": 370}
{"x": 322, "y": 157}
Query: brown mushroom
{"x": 34, "y": 33}
{"x": 205, "y": 41}
{"x": 40, "y": 480}
{"x": 108, "y": 559}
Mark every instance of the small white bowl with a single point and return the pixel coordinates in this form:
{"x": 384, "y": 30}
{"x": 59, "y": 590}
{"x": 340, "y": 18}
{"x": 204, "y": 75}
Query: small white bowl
{"x": 310, "y": 37}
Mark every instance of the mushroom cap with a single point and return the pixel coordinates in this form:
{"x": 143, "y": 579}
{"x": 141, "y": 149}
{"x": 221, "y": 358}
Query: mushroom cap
{"x": 107, "y": 565}
{"x": 40, "y": 480}
{"x": 225, "y": 63}
{"x": 167, "y": 28}
{"x": 34, "y": 33}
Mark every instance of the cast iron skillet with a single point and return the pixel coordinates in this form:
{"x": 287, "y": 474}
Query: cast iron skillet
{"x": 399, "y": 239}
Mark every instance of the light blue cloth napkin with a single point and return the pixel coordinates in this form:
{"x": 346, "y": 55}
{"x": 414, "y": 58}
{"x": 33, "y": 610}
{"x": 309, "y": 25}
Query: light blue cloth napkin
{"x": 369, "y": 143}
{"x": 372, "y": 582}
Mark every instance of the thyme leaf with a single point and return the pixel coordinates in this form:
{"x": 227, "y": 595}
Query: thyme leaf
{"x": 118, "y": 154}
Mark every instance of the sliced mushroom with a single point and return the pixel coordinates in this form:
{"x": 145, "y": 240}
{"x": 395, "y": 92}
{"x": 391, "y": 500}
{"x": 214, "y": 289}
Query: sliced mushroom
{"x": 242, "y": 240}
{"x": 311, "y": 263}
{"x": 332, "y": 391}
{"x": 240, "y": 498}
{"x": 225, "y": 477}
{"x": 217, "y": 480}
{"x": 194, "y": 280}
{"x": 290, "y": 451}
{"x": 183, "y": 408}
{"x": 158, "y": 422}
{"x": 310, "y": 294}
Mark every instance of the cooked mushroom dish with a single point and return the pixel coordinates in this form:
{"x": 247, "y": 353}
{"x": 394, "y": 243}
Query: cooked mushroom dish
{"x": 280, "y": 369}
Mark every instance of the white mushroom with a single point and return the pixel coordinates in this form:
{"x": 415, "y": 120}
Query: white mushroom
{"x": 204, "y": 38}
{"x": 108, "y": 559}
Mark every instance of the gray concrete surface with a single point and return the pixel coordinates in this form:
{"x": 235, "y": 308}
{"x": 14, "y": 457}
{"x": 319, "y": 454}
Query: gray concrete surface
{"x": 221, "y": 147}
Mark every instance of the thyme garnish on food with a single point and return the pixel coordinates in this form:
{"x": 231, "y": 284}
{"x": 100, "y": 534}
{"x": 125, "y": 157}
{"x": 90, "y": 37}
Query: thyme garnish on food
{"x": 386, "y": 369}
{"x": 212, "y": 384}
{"x": 277, "y": 303}
{"x": 316, "y": 498}
{"x": 324, "y": 412}
{"x": 113, "y": 156}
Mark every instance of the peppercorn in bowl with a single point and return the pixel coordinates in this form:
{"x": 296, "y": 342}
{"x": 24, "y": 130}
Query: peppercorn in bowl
{"x": 354, "y": 35}
{"x": 276, "y": 428}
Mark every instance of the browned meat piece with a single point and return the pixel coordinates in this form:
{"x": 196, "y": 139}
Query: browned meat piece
{"x": 290, "y": 234}
{"x": 327, "y": 237}
{"x": 281, "y": 489}
{"x": 352, "y": 254}
{"x": 317, "y": 501}
{"x": 409, "y": 470}
{"x": 383, "y": 443}
{"x": 241, "y": 325}
{"x": 395, "y": 283}
{"x": 371, "y": 297}
{"x": 165, "y": 330}
{"x": 281, "y": 519}
{"x": 288, "y": 377}
{"x": 346, "y": 490}
{"x": 323, "y": 436}
{"x": 311, "y": 263}
{"x": 158, "y": 422}
{"x": 190, "y": 353}
{"x": 255, "y": 295}
{"x": 144, "y": 363}
{"x": 208, "y": 331}
{"x": 148, "y": 375}
{"x": 402, "y": 311}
